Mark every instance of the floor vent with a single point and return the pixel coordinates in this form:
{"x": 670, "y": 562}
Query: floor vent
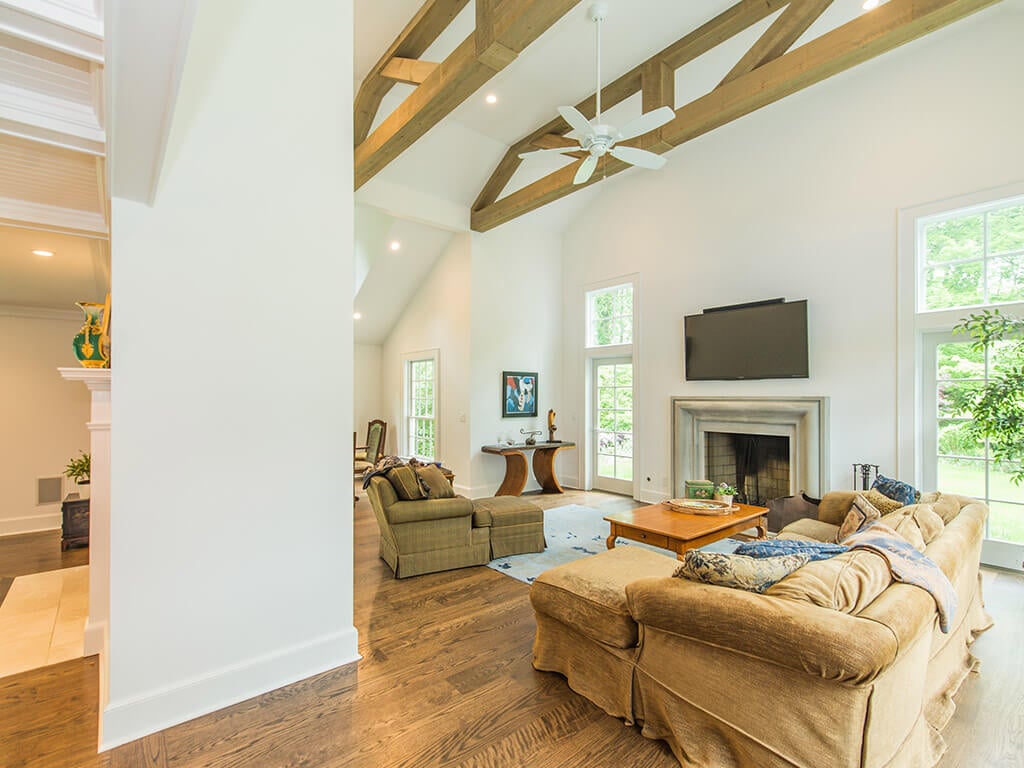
{"x": 49, "y": 490}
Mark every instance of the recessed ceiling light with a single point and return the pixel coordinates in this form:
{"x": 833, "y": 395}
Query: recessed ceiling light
{"x": 395, "y": 245}
{"x": 44, "y": 254}
{"x": 491, "y": 98}
{"x": 870, "y": 5}
{"x": 357, "y": 315}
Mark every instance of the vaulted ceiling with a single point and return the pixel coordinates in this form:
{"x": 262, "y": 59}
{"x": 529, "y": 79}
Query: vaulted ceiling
{"x": 52, "y": 153}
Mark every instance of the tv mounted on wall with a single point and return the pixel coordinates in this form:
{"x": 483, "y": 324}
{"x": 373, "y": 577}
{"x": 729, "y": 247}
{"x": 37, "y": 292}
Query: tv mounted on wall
{"x": 760, "y": 340}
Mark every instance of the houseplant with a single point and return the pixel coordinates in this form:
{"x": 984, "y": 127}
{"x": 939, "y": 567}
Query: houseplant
{"x": 725, "y": 492}
{"x": 996, "y": 408}
{"x": 79, "y": 468}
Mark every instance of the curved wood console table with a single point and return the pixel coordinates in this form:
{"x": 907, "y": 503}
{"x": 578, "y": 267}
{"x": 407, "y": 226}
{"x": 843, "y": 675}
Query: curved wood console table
{"x": 516, "y": 470}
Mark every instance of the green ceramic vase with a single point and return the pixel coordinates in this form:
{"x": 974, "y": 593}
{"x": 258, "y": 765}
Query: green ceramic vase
{"x": 89, "y": 343}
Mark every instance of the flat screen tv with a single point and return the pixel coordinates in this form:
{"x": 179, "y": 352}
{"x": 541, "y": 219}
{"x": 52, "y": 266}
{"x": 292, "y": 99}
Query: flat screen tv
{"x": 762, "y": 340}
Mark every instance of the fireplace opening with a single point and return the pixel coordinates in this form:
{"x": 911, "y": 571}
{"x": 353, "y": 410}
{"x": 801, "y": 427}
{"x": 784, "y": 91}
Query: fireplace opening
{"x": 758, "y": 465}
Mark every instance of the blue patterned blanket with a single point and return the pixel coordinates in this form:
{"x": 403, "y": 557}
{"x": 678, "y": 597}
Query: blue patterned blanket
{"x": 908, "y": 566}
{"x": 774, "y": 547}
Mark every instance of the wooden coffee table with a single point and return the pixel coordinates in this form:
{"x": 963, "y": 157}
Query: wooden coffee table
{"x": 660, "y": 526}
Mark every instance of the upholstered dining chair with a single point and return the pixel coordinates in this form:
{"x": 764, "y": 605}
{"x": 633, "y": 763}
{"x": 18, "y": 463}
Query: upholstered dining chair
{"x": 369, "y": 454}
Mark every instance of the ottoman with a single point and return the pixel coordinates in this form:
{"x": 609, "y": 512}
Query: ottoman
{"x": 516, "y": 526}
{"x": 585, "y": 630}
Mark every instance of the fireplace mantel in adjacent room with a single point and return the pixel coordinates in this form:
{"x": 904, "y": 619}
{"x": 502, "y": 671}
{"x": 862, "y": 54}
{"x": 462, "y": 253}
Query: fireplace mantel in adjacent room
{"x": 803, "y": 419}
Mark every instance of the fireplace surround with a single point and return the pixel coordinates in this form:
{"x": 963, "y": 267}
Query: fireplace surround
{"x": 804, "y": 420}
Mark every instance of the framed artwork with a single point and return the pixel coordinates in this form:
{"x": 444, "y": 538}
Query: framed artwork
{"x": 518, "y": 394}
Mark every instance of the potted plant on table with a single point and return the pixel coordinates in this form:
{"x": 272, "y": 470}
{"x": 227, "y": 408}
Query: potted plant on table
{"x": 79, "y": 468}
{"x": 725, "y": 492}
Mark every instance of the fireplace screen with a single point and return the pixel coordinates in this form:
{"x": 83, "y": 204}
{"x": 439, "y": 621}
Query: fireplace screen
{"x": 758, "y": 465}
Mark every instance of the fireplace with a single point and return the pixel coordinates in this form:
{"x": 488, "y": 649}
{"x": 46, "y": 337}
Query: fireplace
{"x": 757, "y": 465}
{"x": 782, "y": 444}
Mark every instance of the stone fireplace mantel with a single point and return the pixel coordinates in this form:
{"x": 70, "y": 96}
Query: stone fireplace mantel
{"x": 803, "y": 419}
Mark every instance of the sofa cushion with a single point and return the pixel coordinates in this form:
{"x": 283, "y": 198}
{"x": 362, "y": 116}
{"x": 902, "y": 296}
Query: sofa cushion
{"x": 861, "y": 513}
{"x": 809, "y": 530}
{"x": 903, "y": 492}
{"x": 406, "y": 483}
{"x": 834, "y": 506}
{"x": 945, "y": 505}
{"x": 754, "y": 574}
{"x": 907, "y": 527}
{"x": 435, "y": 482}
{"x": 421, "y": 510}
{"x": 848, "y": 582}
{"x": 505, "y": 510}
{"x": 881, "y": 502}
{"x": 589, "y": 595}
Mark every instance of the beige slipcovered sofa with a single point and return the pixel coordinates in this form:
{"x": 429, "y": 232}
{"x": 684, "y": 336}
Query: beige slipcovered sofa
{"x": 835, "y": 667}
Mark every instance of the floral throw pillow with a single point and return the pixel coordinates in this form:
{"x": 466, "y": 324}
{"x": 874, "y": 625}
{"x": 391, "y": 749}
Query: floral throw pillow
{"x": 754, "y": 574}
{"x": 861, "y": 513}
{"x": 902, "y": 492}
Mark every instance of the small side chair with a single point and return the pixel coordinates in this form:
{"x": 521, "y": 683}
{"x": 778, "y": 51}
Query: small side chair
{"x": 365, "y": 456}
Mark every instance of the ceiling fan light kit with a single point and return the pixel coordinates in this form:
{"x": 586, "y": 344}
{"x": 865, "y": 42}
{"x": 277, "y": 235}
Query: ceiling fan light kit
{"x": 597, "y": 138}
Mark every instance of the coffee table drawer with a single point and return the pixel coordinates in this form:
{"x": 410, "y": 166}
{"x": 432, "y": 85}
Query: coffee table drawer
{"x": 654, "y": 539}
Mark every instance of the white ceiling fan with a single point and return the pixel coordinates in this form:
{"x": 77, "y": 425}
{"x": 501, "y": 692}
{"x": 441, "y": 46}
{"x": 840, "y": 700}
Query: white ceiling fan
{"x": 599, "y": 139}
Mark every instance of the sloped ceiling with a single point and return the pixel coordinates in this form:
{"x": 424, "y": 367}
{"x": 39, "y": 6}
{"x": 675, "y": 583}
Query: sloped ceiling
{"x": 52, "y": 153}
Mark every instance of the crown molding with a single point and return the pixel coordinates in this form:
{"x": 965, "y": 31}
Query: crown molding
{"x": 20, "y": 23}
{"x": 39, "y": 313}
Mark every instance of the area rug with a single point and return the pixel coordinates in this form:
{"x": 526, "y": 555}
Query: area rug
{"x": 572, "y": 532}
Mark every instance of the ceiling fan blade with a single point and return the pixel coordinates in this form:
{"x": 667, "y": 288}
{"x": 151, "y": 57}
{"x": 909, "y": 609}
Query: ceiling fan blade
{"x": 556, "y": 151}
{"x": 575, "y": 118}
{"x": 586, "y": 170}
{"x": 646, "y": 123}
{"x": 640, "y": 157}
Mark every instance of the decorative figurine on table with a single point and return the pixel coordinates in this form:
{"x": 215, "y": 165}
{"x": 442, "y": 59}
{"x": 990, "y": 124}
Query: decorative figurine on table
{"x": 552, "y": 427}
{"x": 531, "y": 435}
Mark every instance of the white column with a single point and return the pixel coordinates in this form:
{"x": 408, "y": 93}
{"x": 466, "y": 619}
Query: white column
{"x": 96, "y": 626}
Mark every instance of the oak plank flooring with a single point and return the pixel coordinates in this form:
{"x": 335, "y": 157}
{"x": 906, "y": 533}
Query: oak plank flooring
{"x": 28, "y": 553}
{"x": 446, "y": 680}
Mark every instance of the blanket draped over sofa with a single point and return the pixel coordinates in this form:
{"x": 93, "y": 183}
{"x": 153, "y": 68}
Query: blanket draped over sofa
{"x": 860, "y": 678}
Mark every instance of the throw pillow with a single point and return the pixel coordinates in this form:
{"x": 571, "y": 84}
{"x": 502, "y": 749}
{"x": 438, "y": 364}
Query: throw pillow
{"x": 848, "y": 582}
{"x": 906, "y": 526}
{"x": 433, "y": 479}
{"x": 861, "y": 513}
{"x": 904, "y": 493}
{"x": 881, "y": 502}
{"x": 406, "y": 483}
{"x": 754, "y": 574}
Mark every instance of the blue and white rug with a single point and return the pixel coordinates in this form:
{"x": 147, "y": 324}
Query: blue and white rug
{"x": 572, "y": 532}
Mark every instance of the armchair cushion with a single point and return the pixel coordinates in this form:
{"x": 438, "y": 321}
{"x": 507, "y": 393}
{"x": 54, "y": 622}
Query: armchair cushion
{"x": 435, "y": 482}
{"x": 428, "y": 509}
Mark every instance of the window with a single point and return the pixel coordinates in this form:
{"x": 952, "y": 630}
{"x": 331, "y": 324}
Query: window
{"x": 610, "y": 316}
{"x": 421, "y": 406}
{"x": 972, "y": 258}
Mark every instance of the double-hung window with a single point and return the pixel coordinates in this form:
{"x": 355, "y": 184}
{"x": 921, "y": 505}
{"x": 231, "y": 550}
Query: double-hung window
{"x": 421, "y": 433}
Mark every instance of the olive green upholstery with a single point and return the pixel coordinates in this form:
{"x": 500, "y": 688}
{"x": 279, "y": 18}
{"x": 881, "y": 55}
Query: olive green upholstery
{"x": 516, "y": 525}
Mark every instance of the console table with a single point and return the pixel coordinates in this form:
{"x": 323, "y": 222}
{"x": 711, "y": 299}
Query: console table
{"x": 516, "y": 470}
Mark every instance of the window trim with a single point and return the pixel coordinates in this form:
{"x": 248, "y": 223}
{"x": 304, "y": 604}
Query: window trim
{"x": 407, "y": 359}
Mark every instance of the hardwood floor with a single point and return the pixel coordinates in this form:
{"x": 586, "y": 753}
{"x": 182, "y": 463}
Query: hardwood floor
{"x": 445, "y": 680}
{"x": 37, "y": 552}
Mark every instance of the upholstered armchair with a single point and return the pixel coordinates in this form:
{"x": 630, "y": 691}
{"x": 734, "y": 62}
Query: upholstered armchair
{"x": 426, "y": 535}
{"x": 369, "y": 454}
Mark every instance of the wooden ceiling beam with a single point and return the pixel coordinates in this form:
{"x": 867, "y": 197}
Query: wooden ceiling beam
{"x": 419, "y": 34}
{"x": 504, "y": 30}
{"x": 883, "y": 29}
{"x": 409, "y": 71}
{"x": 780, "y": 36}
{"x": 727, "y": 24}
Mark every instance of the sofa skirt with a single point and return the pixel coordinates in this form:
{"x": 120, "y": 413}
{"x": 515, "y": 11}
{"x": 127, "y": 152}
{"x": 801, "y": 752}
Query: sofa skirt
{"x": 599, "y": 672}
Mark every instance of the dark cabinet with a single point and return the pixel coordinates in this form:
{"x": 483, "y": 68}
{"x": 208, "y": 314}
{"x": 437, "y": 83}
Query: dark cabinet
{"x": 75, "y": 524}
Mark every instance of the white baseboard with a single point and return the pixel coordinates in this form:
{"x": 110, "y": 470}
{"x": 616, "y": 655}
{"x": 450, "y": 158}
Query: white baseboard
{"x": 652, "y": 497}
{"x": 129, "y": 719}
{"x": 13, "y": 526}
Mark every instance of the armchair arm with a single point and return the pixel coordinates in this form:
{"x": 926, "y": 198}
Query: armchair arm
{"x": 817, "y": 641}
{"x": 428, "y": 509}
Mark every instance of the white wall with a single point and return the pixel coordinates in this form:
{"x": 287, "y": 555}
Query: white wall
{"x": 437, "y": 317}
{"x": 43, "y": 416}
{"x": 800, "y": 200}
{"x": 517, "y": 315}
{"x": 231, "y": 528}
{"x": 366, "y": 390}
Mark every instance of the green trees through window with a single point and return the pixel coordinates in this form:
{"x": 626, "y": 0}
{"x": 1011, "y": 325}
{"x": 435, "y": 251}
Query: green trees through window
{"x": 610, "y": 316}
